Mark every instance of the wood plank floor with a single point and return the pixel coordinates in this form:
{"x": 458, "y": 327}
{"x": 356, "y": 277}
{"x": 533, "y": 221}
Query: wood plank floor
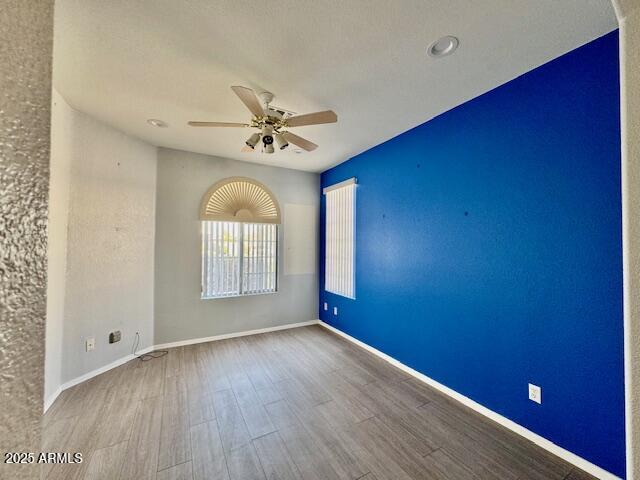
{"x": 295, "y": 404}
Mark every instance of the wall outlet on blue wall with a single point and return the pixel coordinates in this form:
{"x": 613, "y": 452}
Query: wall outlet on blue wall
{"x": 335, "y": 310}
{"x": 326, "y": 307}
{"x": 535, "y": 393}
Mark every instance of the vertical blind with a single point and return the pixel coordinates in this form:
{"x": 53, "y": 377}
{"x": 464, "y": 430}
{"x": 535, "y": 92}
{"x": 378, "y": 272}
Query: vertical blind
{"x": 340, "y": 238}
{"x": 238, "y": 258}
{"x": 260, "y": 246}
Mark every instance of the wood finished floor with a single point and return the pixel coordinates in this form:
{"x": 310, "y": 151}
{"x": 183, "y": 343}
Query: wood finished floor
{"x": 295, "y": 404}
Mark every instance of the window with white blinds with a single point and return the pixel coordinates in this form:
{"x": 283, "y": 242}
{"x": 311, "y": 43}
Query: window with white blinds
{"x": 238, "y": 258}
{"x": 339, "y": 272}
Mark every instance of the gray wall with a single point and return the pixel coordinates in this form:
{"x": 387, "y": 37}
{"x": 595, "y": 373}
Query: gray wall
{"x": 26, "y": 36}
{"x": 180, "y": 314}
{"x": 109, "y": 264}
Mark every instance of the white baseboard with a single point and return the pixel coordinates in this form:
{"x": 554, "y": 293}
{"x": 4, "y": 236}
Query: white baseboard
{"x": 496, "y": 417}
{"x": 105, "y": 368}
{"x": 52, "y": 398}
{"x": 83, "y": 378}
{"x": 224, "y": 336}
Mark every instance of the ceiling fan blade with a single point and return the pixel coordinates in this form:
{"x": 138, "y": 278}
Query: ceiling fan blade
{"x": 217, "y": 124}
{"x": 249, "y": 98}
{"x": 328, "y": 116}
{"x": 247, "y": 149}
{"x": 299, "y": 141}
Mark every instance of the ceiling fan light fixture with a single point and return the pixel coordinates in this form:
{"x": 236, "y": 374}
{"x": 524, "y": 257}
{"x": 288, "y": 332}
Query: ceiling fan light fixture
{"x": 253, "y": 140}
{"x": 281, "y": 141}
{"x": 272, "y": 123}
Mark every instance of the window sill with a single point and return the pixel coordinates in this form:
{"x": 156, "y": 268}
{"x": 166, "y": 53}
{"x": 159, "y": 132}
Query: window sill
{"x": 340, "y": 294}
{"x": 238, "y": 296}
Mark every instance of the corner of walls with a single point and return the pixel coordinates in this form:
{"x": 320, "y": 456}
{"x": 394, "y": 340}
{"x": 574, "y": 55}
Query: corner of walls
{"x": 102, "y": 255}
{"x": 58, "y": 222}
{"x": 628, "y": 12}
{"x": 625, "y": 9}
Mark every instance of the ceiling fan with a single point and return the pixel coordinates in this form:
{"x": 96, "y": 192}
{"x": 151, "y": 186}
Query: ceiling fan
{"x": 273, "y": 122}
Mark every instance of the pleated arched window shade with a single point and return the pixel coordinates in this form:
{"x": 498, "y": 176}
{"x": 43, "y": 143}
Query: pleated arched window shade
{"x": 240, "y": 199}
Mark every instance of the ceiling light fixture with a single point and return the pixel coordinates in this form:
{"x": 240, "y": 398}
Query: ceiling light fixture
{"x": 443, "y": 46}
{"x": 253, "y": 140}
{"x": 157, "y": 123}
{"x": 281, "y": 141}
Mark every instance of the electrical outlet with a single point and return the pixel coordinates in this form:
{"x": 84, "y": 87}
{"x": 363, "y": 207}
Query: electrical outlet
{"x": 326, "y": 307}
{"x": 90, "y": 344}
{"x": 115, "y": 336}
{"x": 335, "y": 310}
{"x": 535, "y": 393}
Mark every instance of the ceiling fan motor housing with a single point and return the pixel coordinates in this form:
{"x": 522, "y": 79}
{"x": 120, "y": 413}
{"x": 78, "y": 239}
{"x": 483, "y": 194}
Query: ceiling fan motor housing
{"x": 266, "y": 97}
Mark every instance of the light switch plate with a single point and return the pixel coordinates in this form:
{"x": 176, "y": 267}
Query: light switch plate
{"x": 335, "y": 310}
{"x": 90, "y": 344}
{"x": 326, "y": 307}
{"x": 535, "y": 393}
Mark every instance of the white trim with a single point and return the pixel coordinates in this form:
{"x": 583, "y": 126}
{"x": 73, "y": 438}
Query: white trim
{"x": 52, "y": 398}
{"x": 628, "y": 15}
{"x": 344, "y": 183}
{"x": 83, "y": 378}
{"x": 496, "y": 417}
{"x": 105, "y": 368}
{"x": 627, "y": 190}
{"x": 224, "y": 336}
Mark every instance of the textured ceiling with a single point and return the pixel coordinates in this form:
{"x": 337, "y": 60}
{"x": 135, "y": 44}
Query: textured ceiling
{"x": 126, "y": 61}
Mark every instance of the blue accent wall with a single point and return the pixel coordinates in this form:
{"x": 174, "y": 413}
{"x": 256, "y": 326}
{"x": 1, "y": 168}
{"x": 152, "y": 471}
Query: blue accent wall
{"x": 489, "y": 251}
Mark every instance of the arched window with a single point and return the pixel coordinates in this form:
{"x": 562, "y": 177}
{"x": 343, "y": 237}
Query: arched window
{"x": 240, "y": 199}
{"x": 240, "y": 218}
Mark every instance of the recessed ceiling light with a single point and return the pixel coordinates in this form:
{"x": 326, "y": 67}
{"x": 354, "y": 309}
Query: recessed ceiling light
{"x": 157, "y": 123}
{"x": 443, "y": 46}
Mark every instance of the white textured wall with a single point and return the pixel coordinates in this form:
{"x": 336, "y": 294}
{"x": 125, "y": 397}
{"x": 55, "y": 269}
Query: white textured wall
{"x": 62, "y": 123}
{"x": 180, "y": 314}
{"x": 628, "y": 12}
{"x": 110, "y": 242}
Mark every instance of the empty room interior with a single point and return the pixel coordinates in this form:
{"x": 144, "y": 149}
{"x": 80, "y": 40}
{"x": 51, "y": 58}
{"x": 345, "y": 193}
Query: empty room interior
{"x": 320, "y": 240}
